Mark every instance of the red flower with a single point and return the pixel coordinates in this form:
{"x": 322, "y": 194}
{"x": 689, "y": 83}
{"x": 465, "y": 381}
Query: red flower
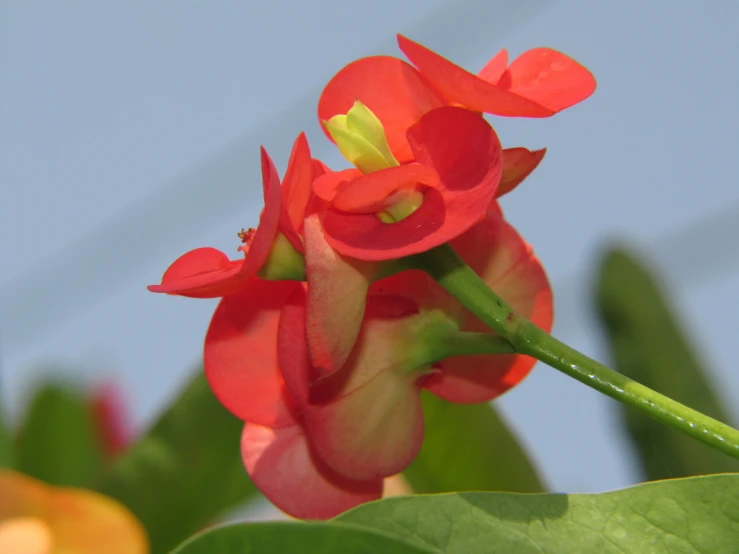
{"x": 454, "y": 172}
{"x": 208, "y": 273}
{"x": 317, "y": 445}
{"x": 241, "y": 366}
{"x": 111, "y": 419}
{"x": 538, "y": 83}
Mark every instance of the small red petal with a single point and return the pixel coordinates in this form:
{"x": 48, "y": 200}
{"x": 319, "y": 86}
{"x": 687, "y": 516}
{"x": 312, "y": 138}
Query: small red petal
{"x": 264, "y": 237}
{"x": 395, "y": 92}
{"x": 296, "y": 191}
{"x": 518, "y": 163}
{"x": 240, "y": 354}
{"x": 466, "y": 89}
{"x": 202, "y": 273}
{"x": 549, "y": 78}
{"x": 500, "y": 256}
{"x": 375, "y": 191}
{"x": 282, "y": 466}
{"x": 494, "y": 69}
{"x": 327, "y": 185}
{"x": 464, "y": 151}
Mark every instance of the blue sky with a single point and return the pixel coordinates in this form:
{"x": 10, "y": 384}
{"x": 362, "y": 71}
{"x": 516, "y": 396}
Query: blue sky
{"x": 129, "y": 134}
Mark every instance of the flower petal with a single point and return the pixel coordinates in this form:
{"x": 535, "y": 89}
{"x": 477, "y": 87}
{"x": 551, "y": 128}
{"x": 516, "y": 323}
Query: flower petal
{"x": 466, "y": 89}
{"x": 264, "y": 237}
{"x": 365, "y": 421}
{"x": 296, "y": 191}
{"x": 202, "y": 273}
{"x": 240, "y": 353}
{"x": 374, "y": 192}
{"x": 282, "y": 466}
{"x": 549, "y": 78}
{"x": 337, "y": 291}
{"x": 464, "y": 151}
{"x": 81, "y": 521}
{"x": 298, "y": 373}
{"x": 395, "y": 92}
{"x": 518, "y": 163}
{"x": 495, "y": 68}
{"x": 327, "y": 185}
{"x": 500, "y": 256}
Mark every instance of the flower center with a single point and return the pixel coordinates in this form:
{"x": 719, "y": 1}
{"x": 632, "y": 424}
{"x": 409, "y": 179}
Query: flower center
{"x": 403, "y": 204}
{"x": 246, "y": 236}
{"x": 361, "y": 139}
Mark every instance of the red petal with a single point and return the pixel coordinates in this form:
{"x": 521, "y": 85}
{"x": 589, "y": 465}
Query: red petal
{"x": 500, "y": 256}
{"x": 111, "y": 419}
{"x": 494, "y": 69}
{"x": 518, "y": 163}
{"x": 549, "y": 78}
{"x": 466, "y": 89}
{"x": 202, "y": 273}
{"x": 264, "y": 238}
{"x": 337, "y": 291}
{"x": 292, "y": 348}
{"x": 365, "y": 421}
{"x": 327, "y": 185}
{"x": 296, "y": 191}
{"x": 375, "y": 191}
{"x": 465, "y": 152}
{"x": 240, "y": 353}
{"x": 281, "y": 465}
{"x": 395, "y": 92}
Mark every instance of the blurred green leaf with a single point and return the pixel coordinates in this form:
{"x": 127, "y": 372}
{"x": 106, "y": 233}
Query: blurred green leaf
{"x": 297, "y": 538}
{"x": 698, "y": 515}
{"x": 58, "y": 442}
{"x": 185, "y": 471}
{"x": 648, "y": 346}
{"x": 6, "y": 441}
{"x": 469, "y": 447}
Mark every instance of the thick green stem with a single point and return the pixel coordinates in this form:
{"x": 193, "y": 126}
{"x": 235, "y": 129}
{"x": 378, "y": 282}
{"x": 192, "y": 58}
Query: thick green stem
{"x": 444, "y": 265}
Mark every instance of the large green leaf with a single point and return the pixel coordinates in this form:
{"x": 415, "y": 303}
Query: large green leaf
{"x": 469, "y": 448}
{"x": 698, "y": 515}
{"x": 648, "y": 345}
{"x": 297, "y": 538}
{"x": 185, "y": 471}
{"x": 58, "y": 442}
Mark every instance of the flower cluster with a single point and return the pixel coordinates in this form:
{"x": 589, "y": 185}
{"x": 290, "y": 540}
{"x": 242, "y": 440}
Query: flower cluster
{"x": 327, "y": 331}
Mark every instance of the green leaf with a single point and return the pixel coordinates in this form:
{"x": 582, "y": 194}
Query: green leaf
{"x": 648, "y": 345}
{"x": 185, "y": 471}
{"x": 699, "y": 515}
{"x": 6, "y": 441}
{"x": 469, "y": 447}
{"x": 296, "y": 538}
{"x": 58, "y": 442}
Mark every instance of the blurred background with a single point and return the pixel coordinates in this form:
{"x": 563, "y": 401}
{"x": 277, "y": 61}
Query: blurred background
{"x": 130, "y": 133}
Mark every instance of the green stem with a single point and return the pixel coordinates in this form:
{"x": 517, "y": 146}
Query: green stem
{"x": 452, "y": 273}
{"x": 470, "y": 344}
